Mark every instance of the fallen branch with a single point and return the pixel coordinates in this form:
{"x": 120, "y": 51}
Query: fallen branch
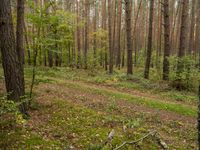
{"x": 153, "y": 133}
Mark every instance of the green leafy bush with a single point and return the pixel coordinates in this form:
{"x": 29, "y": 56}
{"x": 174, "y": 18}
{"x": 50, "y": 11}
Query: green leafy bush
{"x": 187, "y": 78}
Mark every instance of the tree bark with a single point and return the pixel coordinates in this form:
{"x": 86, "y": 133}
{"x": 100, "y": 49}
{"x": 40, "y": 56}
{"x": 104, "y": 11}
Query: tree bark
{"x": 167, "y": 40}
{"x": 94, "y": 40}
{"x": 118, "y": 41}
{"x": 183, "y": 35}
{"x": 11, "y": 64}
{"x": 78, "y": 36}
{"x": 192, "y": 24}
{"x": 149, "y": 46}
{"x": 110, "y": 38}
{"x": 86, "y": 32}
{"x": 128, "y": 37}
{"x": 20, "y": 41}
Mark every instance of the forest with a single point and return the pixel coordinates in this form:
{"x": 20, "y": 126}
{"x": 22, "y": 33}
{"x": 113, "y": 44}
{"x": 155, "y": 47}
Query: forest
{"x": 100, "y": 74}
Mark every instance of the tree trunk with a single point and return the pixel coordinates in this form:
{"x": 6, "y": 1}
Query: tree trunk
{"x": 134, "y": 31}
{"x": 113, "y": 31}
{"x": 149, "y": 46}
{"x": 86, "y": 33}
{"x": 118, "y": 41}
{"x": 110, "y": 38}
{"x": 104, "y": 18}
{"x": 183, "y": 35}
{"x": 11, "y": 64}
{"x": 20, "y": 42}
{"x": 167, "y": 40}
{"x": 191, "y": 39}
{"x": 94, "y": 40}
{"x": 128, "y": 37}
{"x": 78, "y": 37}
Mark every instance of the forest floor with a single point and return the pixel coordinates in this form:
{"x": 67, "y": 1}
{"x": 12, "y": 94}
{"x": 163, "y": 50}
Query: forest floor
{"x": 77, "y": 109}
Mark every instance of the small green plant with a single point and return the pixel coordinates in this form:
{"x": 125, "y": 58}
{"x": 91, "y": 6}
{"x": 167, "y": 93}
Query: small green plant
{"x": 112, "y": 106}
{"x": 94, "y": 147}
{"x": 133, "y": 123}
{"x": 9, "y": 114}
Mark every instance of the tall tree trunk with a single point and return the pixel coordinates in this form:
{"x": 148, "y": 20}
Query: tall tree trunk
{"x": 94, "y": 40}
{"x": 118, "y": 41}
{"x": 11, "y": 64}
{"x": 86, "y": 32}
{"x": 128, "y": 35}
{"x": 124, "y": 47}
{"x": 149, "y": 46}
{"x": 78, "y": 36}
{"x": 134, "y": 30}
{"x": 114, "y": 31}
{"x": 183, "y": 35}
{"x": 192, "y": 24}
{"x": 49, "y": 52}
{"x": 104, "y": 18}
{"x": 167, "y": 40}
{"x": 110, "y": 38}
{"x": 173, "y": 34}
{"x": 159, "y": 35}
{"x": 20, "y": 42}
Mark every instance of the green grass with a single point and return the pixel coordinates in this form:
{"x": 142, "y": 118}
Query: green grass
{"x": 76, "y": 125}
{"x": 168, "y": 106}
{"x": 118, "y": 80}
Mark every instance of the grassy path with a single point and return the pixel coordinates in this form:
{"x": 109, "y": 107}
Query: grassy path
{"x": 74, "y": 114}
{"x": 182, "y": 109}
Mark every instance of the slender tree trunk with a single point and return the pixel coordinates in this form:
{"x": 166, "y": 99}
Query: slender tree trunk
{"x": 149, "y": 47}
{"x": 86, "y": 33}
{"x": 191, "y": 39}
{"x": 167, "y": 40}
{"x": 94, "y": 40}
{"x": 134, "y": 31}
{"x": 183, "y": 35}
{"x": 128, "y": 35}
{"x": 114, "y": 31}
{"x": 104, "y": 18}
{"x": 110, "y": 38}
{"x": 50, "y": 53}
{"x": 159, "y": 35}
{"x": 118, "y": 45}
{"x": 20, "y": 41}
{"x": 172, "y": 34}
{"x": 124, "y": 47}
{"x": 78, "y": 36}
